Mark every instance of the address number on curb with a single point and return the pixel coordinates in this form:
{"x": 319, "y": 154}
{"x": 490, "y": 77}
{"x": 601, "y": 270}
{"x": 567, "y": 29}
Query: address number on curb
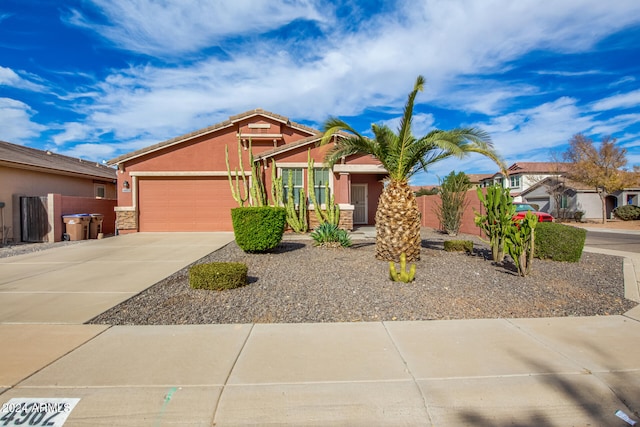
{"x": 36, "y": 411}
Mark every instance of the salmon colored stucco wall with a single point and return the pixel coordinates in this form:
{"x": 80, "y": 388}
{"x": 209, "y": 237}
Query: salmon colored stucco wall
{"x": 428, "y": 205}
{"x": 16, "y": 183}
{"x": 68, "y": 205}
{"x": 204, "y": 154}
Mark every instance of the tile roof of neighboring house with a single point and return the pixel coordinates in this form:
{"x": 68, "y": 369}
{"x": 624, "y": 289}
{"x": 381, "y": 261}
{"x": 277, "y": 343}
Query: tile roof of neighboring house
{"x": 200, "y": 132}
{"x": 23, "y": 157}
{"x": 475, "y": 178}
{"x": 538, "y": 167}
{"x": 415, "y": 188}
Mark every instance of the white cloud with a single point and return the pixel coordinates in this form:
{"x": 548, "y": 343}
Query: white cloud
{"x": 73, "y": 132}
{"x": 172, "y": 27}
{"x": 8, "y": 77}
{"x": 15, "y": 121}
{"x": 623, "y": 100}
{"x": 455, "y": 44}
{"x": 97, "y": 152}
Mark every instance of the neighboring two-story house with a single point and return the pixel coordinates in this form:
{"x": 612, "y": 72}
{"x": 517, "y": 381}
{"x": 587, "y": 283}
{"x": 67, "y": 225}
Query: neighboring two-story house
{"x": 545, "y": 185}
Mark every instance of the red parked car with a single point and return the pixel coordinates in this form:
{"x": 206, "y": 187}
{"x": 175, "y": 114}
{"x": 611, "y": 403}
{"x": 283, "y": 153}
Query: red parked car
{"x": 523, "y": 208}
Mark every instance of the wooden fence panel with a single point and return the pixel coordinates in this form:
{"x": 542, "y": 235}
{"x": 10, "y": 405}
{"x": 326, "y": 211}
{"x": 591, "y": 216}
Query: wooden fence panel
{"x": 34, "y": 219}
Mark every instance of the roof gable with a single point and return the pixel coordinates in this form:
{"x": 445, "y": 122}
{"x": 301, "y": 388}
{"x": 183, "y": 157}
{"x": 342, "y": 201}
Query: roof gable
{"x": 232, "y": 121}
{"x": 22, "y": 157}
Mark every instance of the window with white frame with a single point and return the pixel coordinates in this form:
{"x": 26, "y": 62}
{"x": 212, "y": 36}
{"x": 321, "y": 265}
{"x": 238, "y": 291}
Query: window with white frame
{"x": 320, "y": 180}
{"x": 514, "y": 181}
{"x": 296, "y": 181}
{"x": 100, "y": 191}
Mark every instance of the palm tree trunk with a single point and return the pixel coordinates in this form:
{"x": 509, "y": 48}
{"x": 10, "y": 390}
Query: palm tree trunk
{"x": 397, "y": 223}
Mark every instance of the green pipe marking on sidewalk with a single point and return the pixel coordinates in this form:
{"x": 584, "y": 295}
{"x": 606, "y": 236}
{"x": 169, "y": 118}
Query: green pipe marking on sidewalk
{"x": 164, "y": 405}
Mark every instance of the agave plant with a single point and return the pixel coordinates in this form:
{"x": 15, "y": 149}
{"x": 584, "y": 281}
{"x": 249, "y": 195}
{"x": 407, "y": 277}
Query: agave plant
{"x": 327, "y": 234}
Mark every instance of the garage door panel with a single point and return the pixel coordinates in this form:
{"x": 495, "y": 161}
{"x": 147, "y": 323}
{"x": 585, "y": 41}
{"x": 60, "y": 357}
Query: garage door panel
{"x": 178, "y": 204}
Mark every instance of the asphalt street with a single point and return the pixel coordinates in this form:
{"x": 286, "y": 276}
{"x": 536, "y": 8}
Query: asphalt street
{"x": 619, "y": 240}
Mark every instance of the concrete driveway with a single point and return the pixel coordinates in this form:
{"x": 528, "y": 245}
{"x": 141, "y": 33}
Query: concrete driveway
{"x": 73, "y": 284}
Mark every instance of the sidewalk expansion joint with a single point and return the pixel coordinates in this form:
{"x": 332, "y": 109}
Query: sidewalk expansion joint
{"x": 226, "y": 380}
{"x": 408, "y": 370}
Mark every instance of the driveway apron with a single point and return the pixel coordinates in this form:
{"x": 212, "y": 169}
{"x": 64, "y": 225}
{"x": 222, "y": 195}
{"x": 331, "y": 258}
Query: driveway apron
{"x": 73, "y": 284}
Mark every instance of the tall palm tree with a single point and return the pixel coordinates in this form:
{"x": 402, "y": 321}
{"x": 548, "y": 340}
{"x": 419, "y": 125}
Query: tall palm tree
{"x": 402, "y": 155}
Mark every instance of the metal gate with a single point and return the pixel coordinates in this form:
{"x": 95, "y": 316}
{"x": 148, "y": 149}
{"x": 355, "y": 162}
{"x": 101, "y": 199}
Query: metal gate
{"x": 34, "y": 220}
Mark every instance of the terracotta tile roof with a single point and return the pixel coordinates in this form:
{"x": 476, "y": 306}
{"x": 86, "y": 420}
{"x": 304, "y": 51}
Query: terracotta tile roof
{"x": 477, "y": 177}
{"x": 204, "y": 131}
{"x": 286, "y": 147}
{"x": 23, "y": 157}
{"x": 538, "y": 167}
{"x": 292, "y": 145}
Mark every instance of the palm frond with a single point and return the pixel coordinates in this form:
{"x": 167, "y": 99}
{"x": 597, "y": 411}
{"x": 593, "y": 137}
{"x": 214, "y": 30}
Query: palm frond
{"x": 405, "y": 137}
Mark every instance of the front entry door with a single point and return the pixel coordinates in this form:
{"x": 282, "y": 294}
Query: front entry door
{"x": 359, "y": 201}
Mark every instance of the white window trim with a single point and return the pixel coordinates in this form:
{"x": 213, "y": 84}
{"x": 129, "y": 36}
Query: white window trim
{"x": 305, "y": 176}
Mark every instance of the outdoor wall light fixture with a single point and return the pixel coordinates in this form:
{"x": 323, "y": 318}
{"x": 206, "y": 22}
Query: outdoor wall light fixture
{"x": 125, "y": 185}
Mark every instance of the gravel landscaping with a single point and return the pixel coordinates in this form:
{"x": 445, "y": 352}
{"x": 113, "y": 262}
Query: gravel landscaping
{"x": 298, "y": 282}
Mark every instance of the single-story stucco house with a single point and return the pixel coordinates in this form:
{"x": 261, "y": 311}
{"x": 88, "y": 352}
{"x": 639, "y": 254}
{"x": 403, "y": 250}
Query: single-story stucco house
{"x": 39, "y": 186}
{"x": 182, "y": 185}
{"x": 563, "y": 197}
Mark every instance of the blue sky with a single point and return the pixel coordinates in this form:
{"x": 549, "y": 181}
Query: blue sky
{"x": 99, "y": 78}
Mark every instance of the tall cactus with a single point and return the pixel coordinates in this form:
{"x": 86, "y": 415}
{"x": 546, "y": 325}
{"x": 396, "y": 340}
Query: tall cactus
{"x": 254, "y": 193}
{"x": 276, "y": 186}
{"x": 498, "y": 218}
{"x": 331, "y": 214}
{"x": 297, "y": 219}
{"x": 520, "y": 243}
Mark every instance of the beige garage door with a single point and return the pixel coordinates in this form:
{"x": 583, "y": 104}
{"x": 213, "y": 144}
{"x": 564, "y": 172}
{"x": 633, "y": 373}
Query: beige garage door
{"x": 190, "y": 204}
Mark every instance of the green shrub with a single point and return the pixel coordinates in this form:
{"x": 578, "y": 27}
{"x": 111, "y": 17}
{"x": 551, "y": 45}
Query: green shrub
{"x": 258, "y": 229}
{"x": 559, "y": 242}
{"x": 627, "y": 212}
{"x": 458, "y": 246}
{"x": 327, "y": 234}
{"x": 453, "y": 201}
{"x": 218, "y": 276}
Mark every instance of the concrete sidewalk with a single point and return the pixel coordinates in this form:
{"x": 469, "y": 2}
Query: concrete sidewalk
{"x": 542, "y": 372}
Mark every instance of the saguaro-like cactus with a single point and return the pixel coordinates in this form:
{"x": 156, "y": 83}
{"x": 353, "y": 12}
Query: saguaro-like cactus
{"x": 498, "y": 218}
{"x": 297, "y": 219}
{"x": 253, "y": 194}
{"x": 403, "y": 275}
{"x": 331, "y": 214}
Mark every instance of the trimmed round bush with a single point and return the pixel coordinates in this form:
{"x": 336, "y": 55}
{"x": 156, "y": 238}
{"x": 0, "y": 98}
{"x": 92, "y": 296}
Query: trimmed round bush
{"x": 627, "y": 212}
{"x": 458, "y": 246}
{"x": 217, "y": 276}
{"x": 258, "y": 229}
{"x": 559, "y": 242}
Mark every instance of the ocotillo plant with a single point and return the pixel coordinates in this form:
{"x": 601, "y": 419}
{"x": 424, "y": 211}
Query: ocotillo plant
{"x": 498, "y": 218}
